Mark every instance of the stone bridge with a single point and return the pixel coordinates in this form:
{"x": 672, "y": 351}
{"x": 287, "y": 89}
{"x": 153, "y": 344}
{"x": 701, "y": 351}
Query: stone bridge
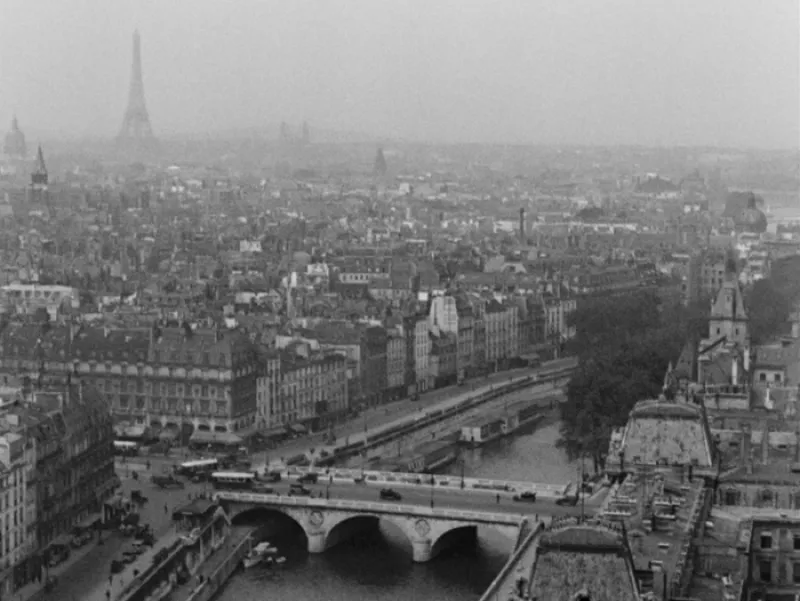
{"x": 326, "y": 523}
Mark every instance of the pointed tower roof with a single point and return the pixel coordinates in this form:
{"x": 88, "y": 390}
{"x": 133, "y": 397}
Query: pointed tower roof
{"x": 40, "y": 166}
{"x": 729, "y": 303}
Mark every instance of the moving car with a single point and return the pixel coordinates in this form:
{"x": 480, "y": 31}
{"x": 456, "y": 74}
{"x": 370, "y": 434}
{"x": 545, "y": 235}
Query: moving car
{"x": 262, "y": 488}
{"x": 568, "y": 501}
{"x": 310, "y": 478}
{"x": 271, "y": 477}
{"x": 387, "y": 494}
{"x": 526, "y": 497}
{"x": 298, "y": 490}
{"x": 168, "y": 481}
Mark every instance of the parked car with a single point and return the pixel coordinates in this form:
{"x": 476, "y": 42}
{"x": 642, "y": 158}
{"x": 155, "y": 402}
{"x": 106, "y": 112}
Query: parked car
{"x": 298, "y": 490}
{"x": 526, "y": 497}
{"x": 272, "y": 477}
{"x": 387, "y": 494}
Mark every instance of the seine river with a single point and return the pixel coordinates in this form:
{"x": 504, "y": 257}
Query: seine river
{"x": 378, "y": 567}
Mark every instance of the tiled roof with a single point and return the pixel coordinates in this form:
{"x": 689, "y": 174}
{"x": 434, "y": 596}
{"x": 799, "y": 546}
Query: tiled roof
{"x": 667, "y": 432}
{"x": 115, "y": 345}
{"x": 573, "y": 556}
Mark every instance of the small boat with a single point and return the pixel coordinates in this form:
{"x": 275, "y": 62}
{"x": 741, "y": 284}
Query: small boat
{"x": 259, "y": 554}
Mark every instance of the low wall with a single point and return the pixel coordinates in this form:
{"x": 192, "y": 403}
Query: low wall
{"x": 220, "y": 576}
{"x": 494, "y": 588}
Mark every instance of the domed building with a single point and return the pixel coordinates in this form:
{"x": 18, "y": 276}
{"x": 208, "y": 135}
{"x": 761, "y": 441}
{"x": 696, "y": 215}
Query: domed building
{"x": 751, "y": 220}
{"x": 14, "y": 143}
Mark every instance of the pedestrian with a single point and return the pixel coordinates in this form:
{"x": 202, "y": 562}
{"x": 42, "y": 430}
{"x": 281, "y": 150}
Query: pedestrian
{"x": 108, "y": 594}
{"x": 498, "y": 498}
{"x": 110, "y": 579}
{"x": 166, "y": 509}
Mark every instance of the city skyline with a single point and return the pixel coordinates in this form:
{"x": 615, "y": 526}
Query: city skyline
{"x": 511, "y": 73}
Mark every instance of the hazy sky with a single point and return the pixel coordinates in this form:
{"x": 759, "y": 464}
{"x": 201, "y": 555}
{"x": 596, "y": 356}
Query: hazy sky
{"x": 716, "y": 72}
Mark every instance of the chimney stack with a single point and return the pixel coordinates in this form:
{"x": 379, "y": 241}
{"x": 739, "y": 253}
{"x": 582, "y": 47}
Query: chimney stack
{"x": 765, "y": 443}
{"x": 746, "y": 450}
{"x": 797, "y": 445}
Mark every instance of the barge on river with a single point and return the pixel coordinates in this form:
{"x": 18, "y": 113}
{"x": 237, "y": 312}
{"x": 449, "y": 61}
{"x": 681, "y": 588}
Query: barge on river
{"x": 486, "y": 428}
{"x": 427, "y": 458}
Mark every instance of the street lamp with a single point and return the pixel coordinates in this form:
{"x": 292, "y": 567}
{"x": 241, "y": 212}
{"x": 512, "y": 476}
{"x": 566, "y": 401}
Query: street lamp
{"x": 463, "y": 461}
{"x": 432, "y": 489}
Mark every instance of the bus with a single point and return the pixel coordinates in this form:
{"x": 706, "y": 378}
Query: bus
{"x": 233, "y": 480}
{"x": 125, "y": 448}
{"x": 198, "y": 467}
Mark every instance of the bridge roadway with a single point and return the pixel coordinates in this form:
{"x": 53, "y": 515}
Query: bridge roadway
{"x": 432, "y": 518}
{"x": 466, "y": 485}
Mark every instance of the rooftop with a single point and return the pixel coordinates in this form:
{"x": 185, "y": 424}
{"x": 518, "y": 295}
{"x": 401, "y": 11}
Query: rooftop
{"x": 662, "y": 432}
{"x": 661, "y": 512}
{"x": 573, "y": 555}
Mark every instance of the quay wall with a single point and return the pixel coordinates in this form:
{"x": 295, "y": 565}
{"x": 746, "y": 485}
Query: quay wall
{"x": 220, "y": 576}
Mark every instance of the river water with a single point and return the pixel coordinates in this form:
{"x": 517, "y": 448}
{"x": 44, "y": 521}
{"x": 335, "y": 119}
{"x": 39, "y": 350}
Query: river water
{"x": 378, "y": 566}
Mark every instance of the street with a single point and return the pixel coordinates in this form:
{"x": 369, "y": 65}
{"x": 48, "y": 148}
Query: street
{"x": 93, "y": 568}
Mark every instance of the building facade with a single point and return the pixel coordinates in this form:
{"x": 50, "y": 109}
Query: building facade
{"x": 396, "y": 363}
{"x": 313, "y": 388}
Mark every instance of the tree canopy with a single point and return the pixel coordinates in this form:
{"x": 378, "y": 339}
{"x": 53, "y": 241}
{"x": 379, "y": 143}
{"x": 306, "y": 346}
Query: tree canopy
{"x": 624, "y": 345}
{"x": 771, "y": 300}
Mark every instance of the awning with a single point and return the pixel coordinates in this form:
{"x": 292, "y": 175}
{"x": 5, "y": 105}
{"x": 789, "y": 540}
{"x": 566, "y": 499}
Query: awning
{"x": 129, "y": 431}
{"x": 62, "y": 541}
{"x": 168, "y": 435}
{"x": 215, "y": 437}
{"x": 90, "y": 521}
{"x": 298, "y": 428}
{"x": 275, "y": 432}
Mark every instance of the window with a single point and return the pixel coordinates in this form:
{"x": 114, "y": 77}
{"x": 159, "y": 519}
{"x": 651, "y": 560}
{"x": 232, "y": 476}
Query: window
{"x": 797, "y": 542}
{"x": 777, "y": 377}
{"x": 731, "y": 497}
{"x": 765, "y": 570}
{"x": 762, "y": 377}
{"x": 766, "y": 540}
{"x": 796, "y": 572}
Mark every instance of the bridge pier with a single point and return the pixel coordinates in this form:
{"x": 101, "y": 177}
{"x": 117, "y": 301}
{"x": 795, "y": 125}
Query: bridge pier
{"x": 317, "y": 542}
{"x": 422, "y": 550}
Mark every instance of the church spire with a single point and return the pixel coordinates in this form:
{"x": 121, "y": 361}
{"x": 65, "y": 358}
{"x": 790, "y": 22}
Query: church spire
{"x": 39, "y": 175}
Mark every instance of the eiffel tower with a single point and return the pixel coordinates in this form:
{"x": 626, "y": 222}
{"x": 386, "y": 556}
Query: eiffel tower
{"x": 136, "y": 132}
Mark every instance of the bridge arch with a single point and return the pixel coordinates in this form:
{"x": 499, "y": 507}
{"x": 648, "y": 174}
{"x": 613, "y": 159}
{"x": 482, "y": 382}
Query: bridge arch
{"x": 457, "y": 537}
{"x": 465, "y": 534}
{"x": 265, "y": 516}
{"x": 348, "y": 527}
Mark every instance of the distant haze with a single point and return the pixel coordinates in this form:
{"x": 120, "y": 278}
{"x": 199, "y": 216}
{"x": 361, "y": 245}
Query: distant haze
{"x": 662, "y": 72}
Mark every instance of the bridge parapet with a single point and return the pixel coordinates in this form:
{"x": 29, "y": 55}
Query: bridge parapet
{"x": 327, "y": 522}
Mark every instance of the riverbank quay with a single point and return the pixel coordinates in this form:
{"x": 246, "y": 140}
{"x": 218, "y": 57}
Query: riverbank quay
{"x": 217, "y": 569}
{"x": 464, "y": 403}
{"x": 372, "y": 420}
